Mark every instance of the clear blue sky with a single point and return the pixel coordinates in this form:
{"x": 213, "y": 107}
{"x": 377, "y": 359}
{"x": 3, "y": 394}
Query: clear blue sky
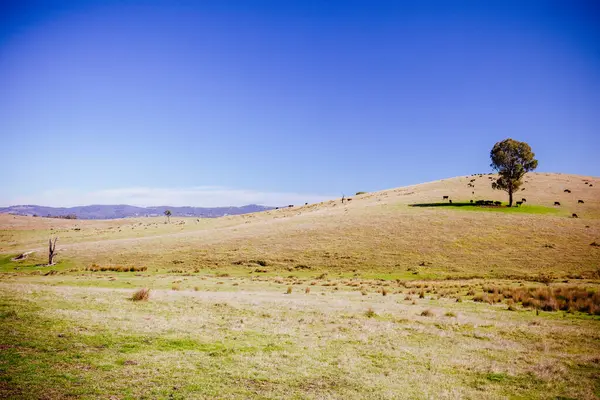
{"x": 206, "y": 102}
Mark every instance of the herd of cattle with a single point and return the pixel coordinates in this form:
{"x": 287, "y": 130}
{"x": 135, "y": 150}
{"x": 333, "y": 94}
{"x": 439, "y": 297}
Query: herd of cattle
{"x": 518, "y": 203}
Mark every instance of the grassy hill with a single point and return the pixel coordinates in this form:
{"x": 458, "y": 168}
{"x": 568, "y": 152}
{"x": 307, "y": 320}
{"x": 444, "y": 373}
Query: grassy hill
{"x": 373, "y": 234}
{"x": 374, "y": 298}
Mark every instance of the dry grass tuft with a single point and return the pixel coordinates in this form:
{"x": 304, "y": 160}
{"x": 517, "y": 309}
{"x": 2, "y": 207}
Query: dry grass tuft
{"x": 427, "y": 313}
{"x": 141, "y": 295}
{"x": 370, "y": 313}
{"x": 307, "y": 290}
{"x": 289, "y": 290}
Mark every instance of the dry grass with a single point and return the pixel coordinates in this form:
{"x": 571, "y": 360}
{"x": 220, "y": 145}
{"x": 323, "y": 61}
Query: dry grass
{"x": 378, "y": 233}
{"x": 97, "y": 268}
{"x": 427, "y": 313}
{"x": 236, "y": 335}
{"x": 141, "y": 295}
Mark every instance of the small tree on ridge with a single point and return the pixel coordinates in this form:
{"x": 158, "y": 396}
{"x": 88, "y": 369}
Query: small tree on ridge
{"x": 512, "y": 159}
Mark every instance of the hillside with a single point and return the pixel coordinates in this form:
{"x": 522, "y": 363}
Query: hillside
{"x": 373, "y": 233}
{"x": 367, "y": 299}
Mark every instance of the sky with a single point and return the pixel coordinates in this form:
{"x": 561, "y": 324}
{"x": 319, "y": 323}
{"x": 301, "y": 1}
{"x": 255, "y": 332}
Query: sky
{"x": 216, "y": 103}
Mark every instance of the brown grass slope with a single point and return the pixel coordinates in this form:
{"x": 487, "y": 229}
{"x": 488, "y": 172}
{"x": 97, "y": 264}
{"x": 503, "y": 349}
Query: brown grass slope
{"x": 376, "y": 233}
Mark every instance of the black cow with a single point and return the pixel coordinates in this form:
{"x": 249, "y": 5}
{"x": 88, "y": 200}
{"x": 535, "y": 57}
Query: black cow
{"x": 445, "y": 198}
{"x": 471, "y": 201}
{"x": 500, "y": 203}
{"x": 556, "y": 203}
{"x": 450, "y": 201}
{"x": 524, "y": 200}
{"x": 567, "y": 191}
{"x": 519, "y": 203}
{"x": 291, "y": 205}
{"x": 575, "y": 215}
{"x": 579, "y": 201}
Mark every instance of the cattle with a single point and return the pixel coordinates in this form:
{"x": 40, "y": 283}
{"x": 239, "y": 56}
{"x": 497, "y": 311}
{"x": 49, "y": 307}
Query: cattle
{"x": 567, "y": 191}
{"x": 579, "y": 201}
{"x": 500, "y": 203}
{"x": 450, "y": 201}
{"x": 524, "y": 200}
{"x": 305, "y": 204}
{"x": 471, "y": 201}
{"x": 445, "y": 198}
{"x": 472, "y": 180}
{"x": 290, "y": 206}
{"x": 591, "y": 185}
{"x": 349, "y": 199}
{"x": 519, "y": 203}
{"x": 575, "y": 215}
{"x": 556, "y": 203}
{"x": 277, "y": 208}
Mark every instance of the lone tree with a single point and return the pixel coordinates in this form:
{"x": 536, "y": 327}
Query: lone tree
{"x": 512, "y": 159}
{"x": 168, "y": 215}
{"x": 51, "y": 250}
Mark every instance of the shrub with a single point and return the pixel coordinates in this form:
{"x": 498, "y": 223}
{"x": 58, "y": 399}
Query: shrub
{"x": 307, "y": 290}
{"x": 141, "y": 295}
{"x": 450, "y": 314}
{"x": 370, "y": 313}
{"x": 289, "y": 290}
{"x": 384, "y": 292}
{"x": 95, "y": 268}
{"x": 427, "y": 313}
{"x": 359, "y": 193}
{"x": 175, "y": 286}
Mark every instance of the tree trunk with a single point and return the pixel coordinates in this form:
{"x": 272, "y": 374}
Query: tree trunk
{"x": 510, "y": 193}
{"x": 51, "y": 250}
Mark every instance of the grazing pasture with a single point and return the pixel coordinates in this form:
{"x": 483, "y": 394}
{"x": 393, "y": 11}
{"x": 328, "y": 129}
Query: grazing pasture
{"x": 373, "y": 298}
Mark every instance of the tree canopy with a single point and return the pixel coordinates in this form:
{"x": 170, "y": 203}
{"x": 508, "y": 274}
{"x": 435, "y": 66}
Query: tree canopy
{"x": 512, "y": 159}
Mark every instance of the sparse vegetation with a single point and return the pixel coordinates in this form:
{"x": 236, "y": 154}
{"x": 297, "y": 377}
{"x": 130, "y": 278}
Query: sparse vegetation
{"x": 227, "y": 313}
{"x": 370, "y": 313}
{"x": 115, "y": 268}
{"x": 427, "y": 313}
{"x": 141, "y": 295}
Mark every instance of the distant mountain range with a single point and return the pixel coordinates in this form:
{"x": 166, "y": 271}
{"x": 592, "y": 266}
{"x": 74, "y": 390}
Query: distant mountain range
{"x": 125, "y": 211}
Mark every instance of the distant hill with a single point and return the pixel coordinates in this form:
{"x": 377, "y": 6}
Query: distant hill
{"x": 125, "y": 211}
